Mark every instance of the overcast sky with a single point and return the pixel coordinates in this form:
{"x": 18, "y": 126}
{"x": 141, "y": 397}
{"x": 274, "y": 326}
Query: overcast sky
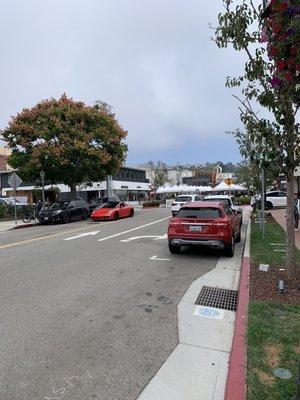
{"x": 152, "y": 60}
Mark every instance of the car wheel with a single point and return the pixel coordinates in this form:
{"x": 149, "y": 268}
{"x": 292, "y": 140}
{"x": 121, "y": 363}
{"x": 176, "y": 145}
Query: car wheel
{"x": 116, "y": 216}
{"x": 174, "y": 249}
{"x": 131, "y": 214}
{"x": 269, "y": 205}
{"x": 238, "y": 238}
{"x": 229, "y": 249}
{"x": 66, "y": 219}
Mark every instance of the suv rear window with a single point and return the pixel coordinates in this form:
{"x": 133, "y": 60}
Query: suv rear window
{"x": 205, "y": 213}
{"x": 184, "y": 198}
{"x": 226, "y": 201}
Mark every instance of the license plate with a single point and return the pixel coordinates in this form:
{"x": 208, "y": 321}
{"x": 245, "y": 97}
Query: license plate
{"x": 195, "y": 228}
{"x": 46, "y": 218}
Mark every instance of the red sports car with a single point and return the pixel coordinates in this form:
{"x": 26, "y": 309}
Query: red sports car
{"x": 112, "y": 211}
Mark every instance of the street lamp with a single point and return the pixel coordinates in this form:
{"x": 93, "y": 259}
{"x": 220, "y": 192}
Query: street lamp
{"x": 42, "y": 175}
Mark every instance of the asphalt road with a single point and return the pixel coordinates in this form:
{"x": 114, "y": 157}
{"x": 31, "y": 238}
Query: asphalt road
{"x": 90, "y": 317}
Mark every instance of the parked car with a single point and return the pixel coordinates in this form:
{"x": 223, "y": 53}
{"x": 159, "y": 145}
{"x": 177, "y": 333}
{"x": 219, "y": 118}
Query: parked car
{"x": 182, "y": 200}
{"x": 10, "y": 201}
{"x": 229, "y": 200}
{"x": 205, "y": 223}
{"x": 112, "y": 211}
{"x": 273, "y": 199}
{"x": 65, "y": 211}
{"x": 100, "y": 201}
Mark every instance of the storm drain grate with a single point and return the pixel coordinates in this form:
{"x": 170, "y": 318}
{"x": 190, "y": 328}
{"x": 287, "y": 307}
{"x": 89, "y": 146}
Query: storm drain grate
{"x": 226, "y": 299}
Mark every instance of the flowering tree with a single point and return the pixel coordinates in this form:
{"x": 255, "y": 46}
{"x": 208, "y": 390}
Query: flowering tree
{"x": 73, "y": 143}
{"x": 270, "y": 39}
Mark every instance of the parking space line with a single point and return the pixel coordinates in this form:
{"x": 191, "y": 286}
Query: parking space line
{"x": 131, "y": 230}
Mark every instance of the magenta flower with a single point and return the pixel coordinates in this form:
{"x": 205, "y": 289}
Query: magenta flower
{"x": 275, "y": 82}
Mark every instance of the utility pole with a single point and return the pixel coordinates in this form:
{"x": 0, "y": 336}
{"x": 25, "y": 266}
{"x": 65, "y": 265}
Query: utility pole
{"x": 109, "y": 186}
{"x": 42, "y": 175}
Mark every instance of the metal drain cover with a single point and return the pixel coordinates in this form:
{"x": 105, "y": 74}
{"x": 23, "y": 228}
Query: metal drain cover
{"x": 225, "y": 299}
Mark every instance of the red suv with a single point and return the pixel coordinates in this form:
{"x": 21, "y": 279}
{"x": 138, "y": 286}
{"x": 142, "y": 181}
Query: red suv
{"x": 204, "y": 223}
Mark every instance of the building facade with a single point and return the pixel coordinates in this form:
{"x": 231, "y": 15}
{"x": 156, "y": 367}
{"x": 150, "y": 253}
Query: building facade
{"x": 129, "y": 184}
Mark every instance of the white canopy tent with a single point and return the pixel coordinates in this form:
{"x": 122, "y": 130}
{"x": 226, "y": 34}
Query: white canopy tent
{"x": 221, "y": 187}
{"x": 224, "y": 187}
{"x": 182, "y": 189}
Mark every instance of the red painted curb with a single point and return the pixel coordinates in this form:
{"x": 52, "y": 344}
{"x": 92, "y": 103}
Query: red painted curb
{"x": 237, "y": 368}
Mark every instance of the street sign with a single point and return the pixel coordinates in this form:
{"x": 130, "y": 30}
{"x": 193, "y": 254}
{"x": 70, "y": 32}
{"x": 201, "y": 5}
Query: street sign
{"x": 229, "y": 181}
{"x": 14, "y": 181}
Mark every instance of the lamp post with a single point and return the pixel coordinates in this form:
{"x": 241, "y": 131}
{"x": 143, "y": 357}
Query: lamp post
{"x": 42, "y": 175}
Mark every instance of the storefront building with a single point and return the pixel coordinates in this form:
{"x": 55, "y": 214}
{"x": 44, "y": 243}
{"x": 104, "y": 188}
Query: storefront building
{"x": 129, "y": 184}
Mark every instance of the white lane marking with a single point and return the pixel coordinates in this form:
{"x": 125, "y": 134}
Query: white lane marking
{"x": 133, "y": 229}
{"x": 165, "y": 236}
{"x": 154, "y": 237}
{"x": 139, "y": 237}
{"x": 156, "y": 258}
{"x": 82, "y": 235}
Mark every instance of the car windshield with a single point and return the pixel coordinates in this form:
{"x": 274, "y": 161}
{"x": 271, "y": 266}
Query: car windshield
{"x": 109, "y": 205}
{"x": 203, "y": 213}
{"x": 61, "y": 205}
{"x": 183, "y": 198}
{"x": 226, "y": 201}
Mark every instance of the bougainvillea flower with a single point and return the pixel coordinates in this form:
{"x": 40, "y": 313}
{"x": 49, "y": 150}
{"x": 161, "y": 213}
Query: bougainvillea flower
{"x": 273, "y": 51}
{"x": 281, "y": 64}
{"x": 288, "y": 76}
{"x": 294, "y": 50}
{"x": 283, "y": 7}
{"x": 264, "y": 35}
{"x": 275, "y": 82}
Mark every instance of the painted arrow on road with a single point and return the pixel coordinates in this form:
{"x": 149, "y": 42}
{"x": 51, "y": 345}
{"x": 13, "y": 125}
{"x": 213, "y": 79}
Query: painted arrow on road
{"x": 156, "y": 258}
{"x": 154, "y": 237}
{"x": 83, "y": 235}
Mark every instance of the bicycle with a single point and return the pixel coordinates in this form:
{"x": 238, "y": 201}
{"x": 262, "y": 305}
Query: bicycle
{"x": 28, "y": 216}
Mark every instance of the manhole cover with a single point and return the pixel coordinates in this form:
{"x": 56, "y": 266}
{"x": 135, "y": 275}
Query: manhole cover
{"x": 225, "y": 299}
{"x": 282, "y": 373}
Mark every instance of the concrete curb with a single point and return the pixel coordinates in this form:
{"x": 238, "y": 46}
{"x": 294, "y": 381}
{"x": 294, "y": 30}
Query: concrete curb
{"x": 236, "y": 388}
{"x": 23, "y": 226}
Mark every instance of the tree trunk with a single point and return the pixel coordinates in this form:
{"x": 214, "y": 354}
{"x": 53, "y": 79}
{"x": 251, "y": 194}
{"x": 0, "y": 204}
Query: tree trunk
{"x": 290, "y": 228}
{"x": 73, "y": 191}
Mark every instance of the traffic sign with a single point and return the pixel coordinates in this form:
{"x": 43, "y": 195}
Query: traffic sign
{"x": 229, "y": 181}
{"x": 14, "y": 181}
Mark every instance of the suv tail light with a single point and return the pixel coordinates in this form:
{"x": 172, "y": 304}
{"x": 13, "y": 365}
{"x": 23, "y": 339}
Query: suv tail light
{"x": 174, "y": 222}
{"x": 223, "y": 223}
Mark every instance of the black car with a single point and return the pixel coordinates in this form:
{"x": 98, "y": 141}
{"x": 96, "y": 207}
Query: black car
{"x": 65, "y": 211}
{"x": 100, "y": 201}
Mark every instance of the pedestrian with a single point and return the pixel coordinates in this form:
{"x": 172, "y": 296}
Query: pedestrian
{"x": 296, "y": 211}
{"x": 39, "y": 206}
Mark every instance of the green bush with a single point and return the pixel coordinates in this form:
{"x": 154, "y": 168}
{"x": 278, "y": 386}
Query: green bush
{"x": 243, "y": 200}
{"x": 3, "y": 210}
{"x": 153, "y": 203}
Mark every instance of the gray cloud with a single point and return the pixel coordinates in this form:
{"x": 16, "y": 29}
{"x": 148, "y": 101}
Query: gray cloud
{"x": 153, "y": 60}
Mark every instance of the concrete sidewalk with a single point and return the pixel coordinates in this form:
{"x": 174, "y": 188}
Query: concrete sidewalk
{"x": 279, "y": 216}
{"x": 197, "y": 368}
{"x": 8, "y": 225}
